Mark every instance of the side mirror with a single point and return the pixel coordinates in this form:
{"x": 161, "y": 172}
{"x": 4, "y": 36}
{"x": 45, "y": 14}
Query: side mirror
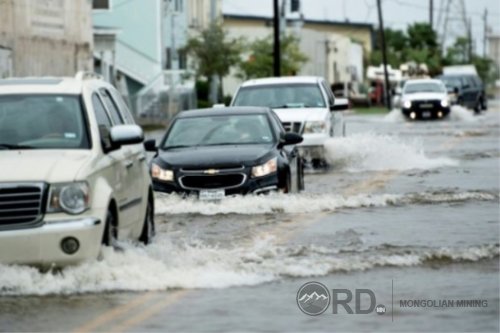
{"x": 126, "y": 135}
{"x": 455, "y": 90}
{"x": 150, "y": 145}
{"x": 341, "y": 104}
{"x": 290, "y": 138}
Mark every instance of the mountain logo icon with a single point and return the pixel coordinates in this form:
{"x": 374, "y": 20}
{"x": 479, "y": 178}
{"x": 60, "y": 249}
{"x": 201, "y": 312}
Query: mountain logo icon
{"x": 313, "y": 298}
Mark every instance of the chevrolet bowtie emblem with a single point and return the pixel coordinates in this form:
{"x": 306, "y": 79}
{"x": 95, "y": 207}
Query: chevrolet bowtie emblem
{"x": 211, "y": 171}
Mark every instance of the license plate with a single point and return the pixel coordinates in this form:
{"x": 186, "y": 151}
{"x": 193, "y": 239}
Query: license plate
{"x": 212, "y": 194}
{"x": 426, "y": 114}
{"x": 426, "y": 106}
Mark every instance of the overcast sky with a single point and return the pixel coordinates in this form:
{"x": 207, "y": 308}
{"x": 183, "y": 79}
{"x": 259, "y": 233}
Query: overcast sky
{"x": 397, "y": 13}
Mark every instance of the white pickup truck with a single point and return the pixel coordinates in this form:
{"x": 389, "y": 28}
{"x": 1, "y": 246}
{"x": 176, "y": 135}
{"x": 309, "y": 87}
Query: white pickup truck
{"x": 304, "y": 104}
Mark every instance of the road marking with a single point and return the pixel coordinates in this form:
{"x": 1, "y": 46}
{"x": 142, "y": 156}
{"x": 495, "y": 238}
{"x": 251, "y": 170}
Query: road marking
{"x": 112, "y": 314}
{"x": 149, "y": 312}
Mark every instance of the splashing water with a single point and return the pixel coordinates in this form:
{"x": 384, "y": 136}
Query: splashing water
{"x": 372, "y": 152}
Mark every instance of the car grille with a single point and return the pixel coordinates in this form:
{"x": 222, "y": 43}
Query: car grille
{"x": 21, "y": 204}
{"x": 223, "y": 181}
{"x": 295, "y": 127}
{"x": 427, "y": 105}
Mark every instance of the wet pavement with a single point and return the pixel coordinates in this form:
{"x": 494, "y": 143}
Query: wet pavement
{"x": 409, "y": 210}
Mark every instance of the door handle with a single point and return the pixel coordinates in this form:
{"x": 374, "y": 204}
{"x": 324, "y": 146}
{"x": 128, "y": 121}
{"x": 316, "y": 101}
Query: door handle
{"x": 129, "y": 164}
{"x": 142, "y": 158}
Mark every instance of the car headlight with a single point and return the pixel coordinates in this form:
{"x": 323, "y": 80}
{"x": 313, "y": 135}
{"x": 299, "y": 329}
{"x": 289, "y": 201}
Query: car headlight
{"x": 445, "y": 103}
{"x": 72, "y": 198}
{"x": 161, "y": 174}
{"x": 266, "y": 168}
{"x": 407, "y": 104}
{"x": 315, "y": 127}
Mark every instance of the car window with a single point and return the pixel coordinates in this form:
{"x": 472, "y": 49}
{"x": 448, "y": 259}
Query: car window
{"x": 464, "y": 82}
{"x": 329, "y": 93}
{"x": 219, "y": 130}
{"x": 276, "y": 96}
{"x": 100, "y": 112}
{"x": 123, "y": 107}
{"x": 420, "y": 87}
{"x": 472, "y": 82}
{"x": 43, "y": 121}
{"x": 277, "y": 123}
{"x": 111, "y": 106}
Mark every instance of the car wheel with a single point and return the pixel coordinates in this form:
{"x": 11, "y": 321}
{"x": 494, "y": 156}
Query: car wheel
{"x": 288, "y": 186}
{"x": 110, "y": 235}
{"x": 300, "y": 176}
{"x": 148, "y": 228}
{"x": 477, "y": 107}
{"x": 484, "y": 104}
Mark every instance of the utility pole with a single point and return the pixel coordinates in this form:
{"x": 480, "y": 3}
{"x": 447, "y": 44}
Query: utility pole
{"x": 387, "y": 86}
{"x": 431, "y": 13}
{"x": 214, "y": 80}
{"x": 485, "y": 36}
{"x": 469, "y": 37}
{"x": 276, "y": 49}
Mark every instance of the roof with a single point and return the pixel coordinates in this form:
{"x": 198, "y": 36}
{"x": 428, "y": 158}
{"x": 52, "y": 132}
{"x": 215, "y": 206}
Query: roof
{"x": 41, "y": 85}
{"x": 412, "y": 81}
{"x": 230, "y": 110}
{"x": 281, "y": 80}
{"x": 322, "y": 22}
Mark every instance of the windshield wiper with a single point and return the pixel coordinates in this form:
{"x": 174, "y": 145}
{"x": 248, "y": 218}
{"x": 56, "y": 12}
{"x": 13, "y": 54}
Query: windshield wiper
{"x": 13, "y": 147}
{"x": 176, "y": 146}
{"x": 290, "y": 105}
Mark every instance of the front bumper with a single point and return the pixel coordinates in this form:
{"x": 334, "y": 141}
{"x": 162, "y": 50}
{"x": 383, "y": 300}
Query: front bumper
{"x": 251, "y": 185}
{"x": 426, "y": 113}
{"x": 42, "y": 245}
{"x": 313, "y": 146}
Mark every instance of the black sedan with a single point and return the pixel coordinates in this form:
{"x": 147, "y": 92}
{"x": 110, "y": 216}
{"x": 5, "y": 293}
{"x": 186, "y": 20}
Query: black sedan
{"x": 213, "y": 153}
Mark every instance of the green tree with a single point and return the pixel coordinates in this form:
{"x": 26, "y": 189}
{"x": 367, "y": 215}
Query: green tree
{"x": 214, "y": 52}
{"x": 260, "y": 59}
{"x": 458, "y": 54}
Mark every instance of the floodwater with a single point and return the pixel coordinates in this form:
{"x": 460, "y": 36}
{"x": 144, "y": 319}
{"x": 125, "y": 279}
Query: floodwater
{"x": 408, "y": 210}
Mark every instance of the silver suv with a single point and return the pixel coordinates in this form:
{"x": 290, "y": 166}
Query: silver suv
{"x": 73, "y": 171}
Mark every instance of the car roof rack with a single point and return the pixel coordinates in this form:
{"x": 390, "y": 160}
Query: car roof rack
{"x": 87, "y": 75}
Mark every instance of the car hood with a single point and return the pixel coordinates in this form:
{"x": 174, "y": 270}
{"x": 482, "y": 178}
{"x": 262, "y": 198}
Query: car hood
{"x": 302, "y": 114}
{"x": 215, "y": 156}
{"x": 50, "y": 166}
{"x": 425, "y": 96}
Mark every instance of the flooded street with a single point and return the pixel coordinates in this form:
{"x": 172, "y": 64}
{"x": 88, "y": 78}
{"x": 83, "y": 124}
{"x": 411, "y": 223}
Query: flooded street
{"x": 408, "y": 210}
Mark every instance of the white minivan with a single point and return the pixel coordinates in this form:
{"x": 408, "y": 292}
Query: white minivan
{"x": 305, "y": 105}
{"x": 73, "y": 172}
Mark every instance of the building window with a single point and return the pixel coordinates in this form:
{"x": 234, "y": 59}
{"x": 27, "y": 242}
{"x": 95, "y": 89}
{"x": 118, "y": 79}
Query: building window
{"x": 101, "y": 4}
{"x": 182, "y": 59}
{"x": 168, "y": 62}
{"x": 178, "y": 5}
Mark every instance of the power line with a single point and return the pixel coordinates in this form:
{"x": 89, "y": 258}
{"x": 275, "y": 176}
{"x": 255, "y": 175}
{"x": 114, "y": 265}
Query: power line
{"x": 440, "y": 10}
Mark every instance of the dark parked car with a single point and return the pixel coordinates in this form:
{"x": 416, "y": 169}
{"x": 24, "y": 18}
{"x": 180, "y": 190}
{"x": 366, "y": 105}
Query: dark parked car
{"x": 466, "y": 90}
{"x": 213, "y": 153}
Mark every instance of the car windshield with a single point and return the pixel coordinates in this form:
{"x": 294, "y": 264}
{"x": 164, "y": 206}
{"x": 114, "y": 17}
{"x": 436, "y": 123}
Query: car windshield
{"x": 411, "y": 88}
{"x": 219, "y": 130}
{"x": 281, "y": 96}
{"x": 42, "y": 122}
{"x": 451, "y": 82}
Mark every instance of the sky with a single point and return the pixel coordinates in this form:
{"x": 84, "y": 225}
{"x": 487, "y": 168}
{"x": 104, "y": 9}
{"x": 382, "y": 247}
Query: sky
{"x": 398, "y": 14}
